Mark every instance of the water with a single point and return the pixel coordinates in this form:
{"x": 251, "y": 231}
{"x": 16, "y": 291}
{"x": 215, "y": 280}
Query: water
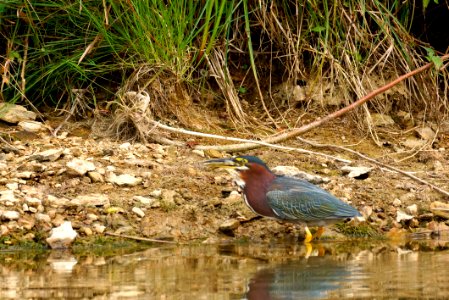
{"x": 350, "y": 270}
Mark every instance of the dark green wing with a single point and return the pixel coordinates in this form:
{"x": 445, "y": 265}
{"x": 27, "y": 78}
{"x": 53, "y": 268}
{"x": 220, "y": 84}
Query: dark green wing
{"x": 294, "y": 199}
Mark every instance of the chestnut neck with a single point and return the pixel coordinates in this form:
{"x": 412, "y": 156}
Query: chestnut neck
{"x": 257, "y": 181}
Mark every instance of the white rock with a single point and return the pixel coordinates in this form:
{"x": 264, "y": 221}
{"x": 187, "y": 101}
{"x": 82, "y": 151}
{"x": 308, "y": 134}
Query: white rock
{"x": 125, "y": 146}
{"x": 79, "y": 167}
{"x": 156, "y": 193}
{"x": 440, "y": 209}
{"x": 12, "y": 113}
{"x": 295, "y": 172}
{"x": 412, "y": 209}
{"x": 397, "y": 202}
{"x": 91, "y": 200}
{"x": 57, "y": 202}
{"x": 123, "y": 179}
{"x": 31, "y": 126}
{"x": 402, "y": 216}
{"x": 139, "y": 212}
{"x": 12, "y": 186}
{"x": 355, "y": 172}
{"x": 98, "y": 228}
{"x": 25, "y": 175}
{"x": 144, "y": 200}
{"x": 198, "y": 152}
{"x": 425, "y": 133}
{"x": 8, "y": 196}
{"x": 10, "y": 215}
{"x": 412, "y": 143}
{"x": 47, "y": 155}
{"x": 43, "y": 218}
{"x": 62, "y": 237}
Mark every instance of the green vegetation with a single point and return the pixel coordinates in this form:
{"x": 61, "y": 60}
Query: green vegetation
{"x": 84, "y": 56}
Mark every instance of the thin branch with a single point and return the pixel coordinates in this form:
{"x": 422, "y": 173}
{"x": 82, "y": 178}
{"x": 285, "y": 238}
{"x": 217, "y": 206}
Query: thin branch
{"x": 408, "y": 174}
{"x": 214, "y": 136}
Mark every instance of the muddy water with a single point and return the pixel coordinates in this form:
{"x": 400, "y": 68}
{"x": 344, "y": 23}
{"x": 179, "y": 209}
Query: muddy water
{"x": 358, "y": 269}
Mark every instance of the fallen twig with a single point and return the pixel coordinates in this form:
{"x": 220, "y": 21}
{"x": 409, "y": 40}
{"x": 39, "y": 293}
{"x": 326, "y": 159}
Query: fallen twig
{"x": 138, "y": 238}
{"x": 408, "y": 174}
{"x": 220, "y": 137}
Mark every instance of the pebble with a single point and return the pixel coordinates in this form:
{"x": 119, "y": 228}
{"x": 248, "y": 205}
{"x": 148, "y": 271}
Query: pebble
{"x": 440, "y": 209}
{"x": 31, "y": 126}
{"x": 95, "y": 176}
{"x": 295, "y": 172}
{"x": 98, "y": 228}
{"x": 139, "y": 212}
{"x": 79, "y": 167}
{"x": 402, "y": 216}
{"x": 123, "y": 180}
{"x": 91, "y": 200}
{"x": 229, "y": 226}
{"x": 8, "y": 196}
{"x": 397, "y": 202}
{"x": 62, "y": 237}
{"x": 356, "y": 172}
{"x": 412, "y": 209}
{"x": 47, "y": 155}
{"x": 12, "y": 113}
{"x": 43, "y": 218}
{"x": 10, "y": 215}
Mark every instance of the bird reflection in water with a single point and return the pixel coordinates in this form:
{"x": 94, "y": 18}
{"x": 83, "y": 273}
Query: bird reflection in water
{"x": 312, "y": 278}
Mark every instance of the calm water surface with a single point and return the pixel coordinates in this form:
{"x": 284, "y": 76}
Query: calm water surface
{"x": 350, "y": 270}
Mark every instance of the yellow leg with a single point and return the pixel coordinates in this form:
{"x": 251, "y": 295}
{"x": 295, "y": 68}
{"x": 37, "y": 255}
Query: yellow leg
{"x": 318, "y": 233}
{"x": 309, "y": 236}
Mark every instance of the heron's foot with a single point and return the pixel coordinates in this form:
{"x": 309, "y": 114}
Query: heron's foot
{"x": 309, "y": 237}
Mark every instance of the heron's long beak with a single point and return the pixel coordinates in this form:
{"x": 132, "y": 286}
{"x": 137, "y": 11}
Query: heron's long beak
{"x": 222, "y": 163}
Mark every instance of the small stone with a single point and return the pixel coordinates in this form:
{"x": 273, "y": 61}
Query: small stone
{"x": 356, "y": 172}
{"x": 402, "y": 216}
{"x": 92, "y": 217}
{"x": 440, "y": 209}
{"x": 125, "y": 146}
{"x": 79, "y": 167}
{"x": 139, "y": 212}
{"x": 47, "y": 155}
{"x": 87, "y": 231}
{"x": 8, "y": 196}
{"x": 12, "y": 186}
{"x": 25, "y": 175}
{"x": 99, "y": 228}
{"x": 413, "y": 143}
{"x": 10, "y": 215}
{"x": 4, "y": 230}
{"x": 95, "y": 176}
{"x": 381, "y": 120}
{"x": 91, "y": 200}
{"x": 397, "y": 202}
{"x": 412, "y": 209}
{"x": 43, "y": 218}
{"x": 123, "y": 180}
{"x": 213, "y": 153}
{"x": 31, "y": 126}
{"x": 144, "y": 200}
{"x": 199, "y": 152}
{"x": 437, "y": 166}
{"x": 367, "y": 211}
{"x": 229, "y": 226}
{"x": 426, "y": 133}
{"x": 62, "y": 237}
{"x": 155, "y": 194}
{"x": 295, "y": 172}
{"x": 31, "y": 201}
{"x": 12, "y": 113}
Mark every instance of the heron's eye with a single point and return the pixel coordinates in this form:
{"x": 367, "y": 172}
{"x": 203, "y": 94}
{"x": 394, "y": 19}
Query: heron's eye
{"x": 241, "y": 161}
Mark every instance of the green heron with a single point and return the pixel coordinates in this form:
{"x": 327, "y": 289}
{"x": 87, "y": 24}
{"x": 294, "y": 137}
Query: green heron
{"x": 282, "y": 197}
